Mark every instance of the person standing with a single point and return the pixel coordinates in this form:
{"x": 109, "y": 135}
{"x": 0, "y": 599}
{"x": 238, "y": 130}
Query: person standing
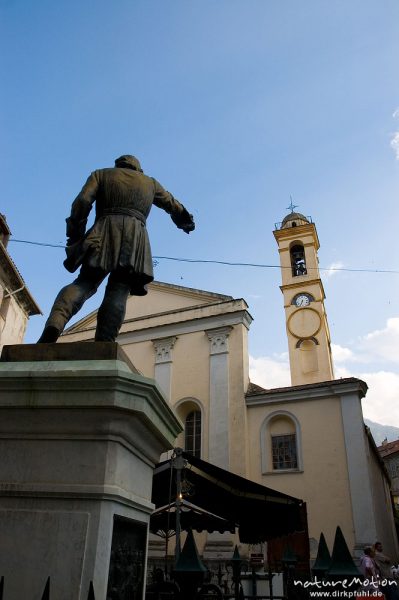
{"x": 369, "y": 571}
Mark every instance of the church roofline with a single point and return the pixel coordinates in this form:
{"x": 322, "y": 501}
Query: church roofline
{"x": 185, "y": 309}
{"x": 4, "y": 227}
{"x": 308, "y": 391}
{"x": 85, "y": 323}
{"x": 254, "y": 389}
{"x": 232, "y": 307}
{"x": 172, "y": 287}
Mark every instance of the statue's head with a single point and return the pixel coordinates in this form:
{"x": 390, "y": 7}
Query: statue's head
{"x": 127, "y": 161}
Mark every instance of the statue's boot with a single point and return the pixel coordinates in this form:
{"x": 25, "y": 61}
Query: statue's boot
{"x": 69, "y": 301}
{"x": 50, "y": 335}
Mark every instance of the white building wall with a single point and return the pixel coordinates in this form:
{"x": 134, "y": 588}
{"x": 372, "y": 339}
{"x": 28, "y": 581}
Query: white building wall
{"x": 13, "y": 321}
{"x": 382, "y": 502}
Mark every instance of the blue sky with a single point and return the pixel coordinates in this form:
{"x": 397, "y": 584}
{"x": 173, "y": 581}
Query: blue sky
{"x": 233, "y": 105}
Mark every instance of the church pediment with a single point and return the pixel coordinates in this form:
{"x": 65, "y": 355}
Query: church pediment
{"x": 162, "y": 298}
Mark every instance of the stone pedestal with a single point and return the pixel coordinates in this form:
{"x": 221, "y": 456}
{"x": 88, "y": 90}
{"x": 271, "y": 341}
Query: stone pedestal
{"x": 80, "y": 433}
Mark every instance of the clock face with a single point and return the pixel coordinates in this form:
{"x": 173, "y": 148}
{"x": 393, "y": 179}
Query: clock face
{"x": 302, "y": 300}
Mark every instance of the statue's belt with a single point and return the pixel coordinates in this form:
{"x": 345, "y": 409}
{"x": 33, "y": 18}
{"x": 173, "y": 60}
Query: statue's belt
{"x": 130, "y": 212}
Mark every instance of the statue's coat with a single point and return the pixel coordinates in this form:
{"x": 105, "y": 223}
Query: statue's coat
{"x": 118, "y": 238}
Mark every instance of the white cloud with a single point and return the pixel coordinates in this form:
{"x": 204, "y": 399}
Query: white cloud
{"x": 270, "y": 372}
{"x": 395, "y": 144}
{"x": 377, "y": 347}
{"x": 342, "y": 371}
{"x": 382, "y": 344}
{"x": 333, "y": 269}
{"x": 341, "y": 354}
{"x": 381, "y": 403}
{"x": 395, "y": 138}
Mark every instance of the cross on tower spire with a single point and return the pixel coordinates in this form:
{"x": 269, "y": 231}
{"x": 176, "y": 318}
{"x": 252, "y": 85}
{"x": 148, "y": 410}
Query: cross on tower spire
{"x": 292, "y": 205}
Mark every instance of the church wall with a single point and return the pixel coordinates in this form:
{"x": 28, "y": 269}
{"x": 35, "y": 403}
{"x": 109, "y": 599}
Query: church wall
{"x": 142, "y": 356}
{"x": 322, "y": 477}
{"x": 188, "y": 364}
{"x": 190, "y": 376}
{"x": 155, "y": 302}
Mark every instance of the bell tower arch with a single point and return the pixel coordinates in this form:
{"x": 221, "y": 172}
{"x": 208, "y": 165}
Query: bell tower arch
{"x": 306, "y": 319}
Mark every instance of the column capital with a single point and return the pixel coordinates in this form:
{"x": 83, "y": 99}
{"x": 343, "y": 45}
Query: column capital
{"x": 163, "y": 349}
{"x": 218, "y": 338}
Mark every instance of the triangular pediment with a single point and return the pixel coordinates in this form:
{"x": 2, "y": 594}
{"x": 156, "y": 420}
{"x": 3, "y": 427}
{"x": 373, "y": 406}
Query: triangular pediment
{"x": 161, "y": 298}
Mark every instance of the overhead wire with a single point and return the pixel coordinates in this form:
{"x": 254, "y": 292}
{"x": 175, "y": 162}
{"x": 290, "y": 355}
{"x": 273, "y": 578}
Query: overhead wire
{"x": 230, "y": 263}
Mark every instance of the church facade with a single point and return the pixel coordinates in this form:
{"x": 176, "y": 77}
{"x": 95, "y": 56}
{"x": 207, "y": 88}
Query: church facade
{"x": 307, "y": 440}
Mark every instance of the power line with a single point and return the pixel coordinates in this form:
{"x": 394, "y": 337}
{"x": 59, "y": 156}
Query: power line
{"x": 263, "y": 266}
{"x": 36, "y": 243}
{"x": 229, "y": 263}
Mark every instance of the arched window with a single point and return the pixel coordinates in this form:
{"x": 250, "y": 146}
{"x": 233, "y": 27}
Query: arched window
{"x": 191, "y": 412}
{"x": 192, "y": 433}
{"x": 298, "y": 262}
{"x": 281, "y": 443}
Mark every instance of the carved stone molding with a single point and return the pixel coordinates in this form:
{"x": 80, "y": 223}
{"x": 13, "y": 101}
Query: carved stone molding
{"x": 219, "y": 339}
{"x": 163, "y": 349}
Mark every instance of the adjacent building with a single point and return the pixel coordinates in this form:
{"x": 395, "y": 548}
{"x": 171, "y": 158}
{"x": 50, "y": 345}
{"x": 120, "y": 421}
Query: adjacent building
{"x": 389, "y": 452}
{"x": 16, "y": 302}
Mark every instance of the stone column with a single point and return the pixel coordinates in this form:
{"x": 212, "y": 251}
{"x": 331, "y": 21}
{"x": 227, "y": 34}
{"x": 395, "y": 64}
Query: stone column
{"x": 219, "y": 546}
{"x": 219, "y": 397}
{"x": 163, "y": 364}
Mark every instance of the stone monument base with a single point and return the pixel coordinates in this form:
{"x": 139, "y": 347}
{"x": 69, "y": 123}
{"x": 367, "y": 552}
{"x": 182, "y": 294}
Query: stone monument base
{"x": 80, "y": 433}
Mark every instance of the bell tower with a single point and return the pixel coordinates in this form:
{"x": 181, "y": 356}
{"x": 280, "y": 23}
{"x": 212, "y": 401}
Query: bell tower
{"x": 306, "y": 319}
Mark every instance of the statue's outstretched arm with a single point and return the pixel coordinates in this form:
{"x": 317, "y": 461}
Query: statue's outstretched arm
{"x": 179, "y": 214}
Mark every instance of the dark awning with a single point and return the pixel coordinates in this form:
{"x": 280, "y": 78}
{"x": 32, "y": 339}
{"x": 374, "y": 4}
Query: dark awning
{"x": 260, "y": 513}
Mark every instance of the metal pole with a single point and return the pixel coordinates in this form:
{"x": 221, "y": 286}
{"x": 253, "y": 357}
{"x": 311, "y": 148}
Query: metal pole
{"x": 166, "y": 551}
{"x": 254, "y": 586}
{"x": 178, "y": 464}
{"x": 271, "y": 584}
{"x": 178, "y": 504}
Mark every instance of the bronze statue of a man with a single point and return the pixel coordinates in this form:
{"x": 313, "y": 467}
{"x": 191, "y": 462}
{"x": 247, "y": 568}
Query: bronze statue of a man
{"x": 117, "y": 245}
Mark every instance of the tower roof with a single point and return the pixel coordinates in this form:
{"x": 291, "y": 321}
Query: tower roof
{"x": 294, "y": 219}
